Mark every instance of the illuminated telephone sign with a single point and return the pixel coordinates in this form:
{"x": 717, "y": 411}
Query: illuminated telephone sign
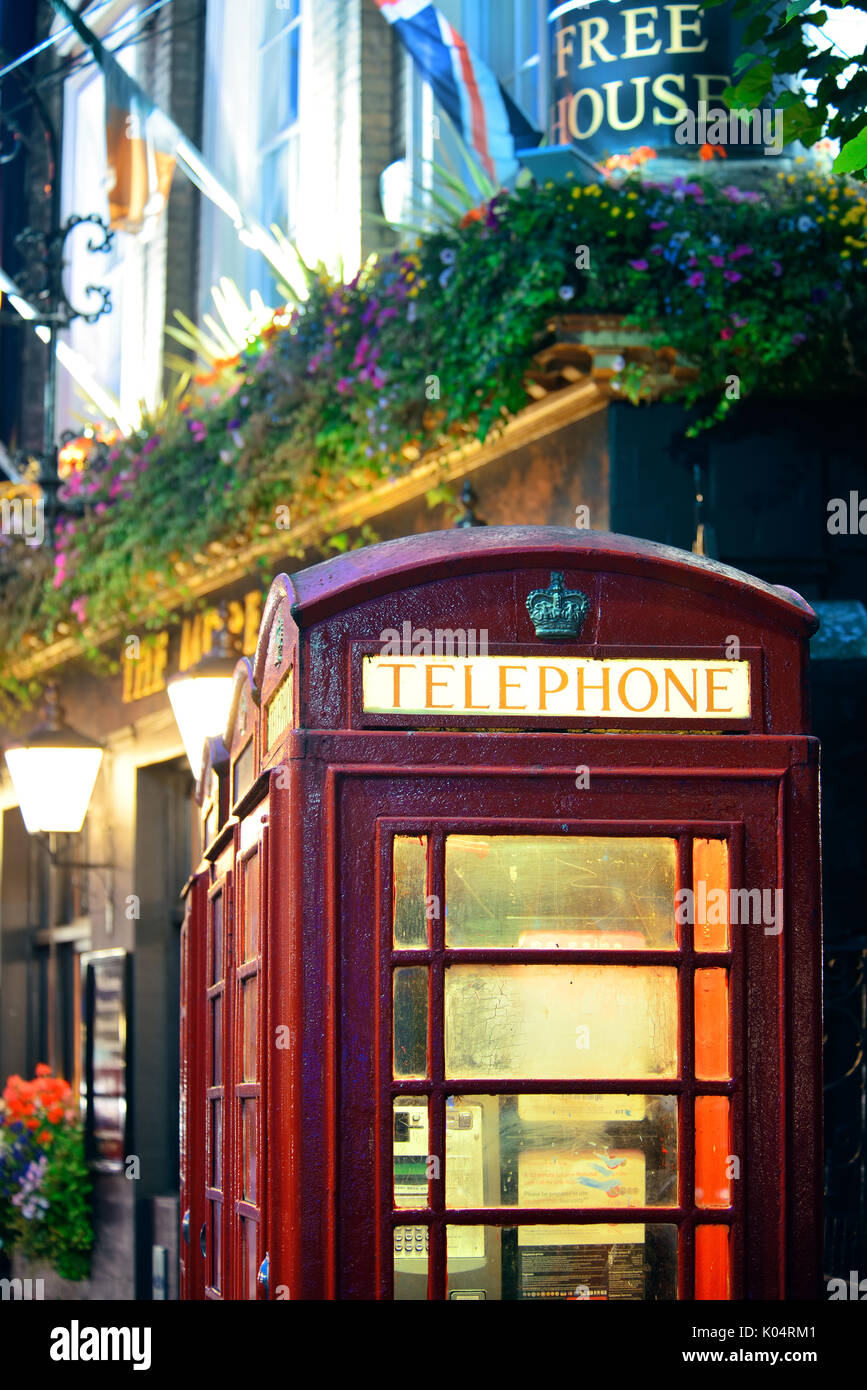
{"x": 510, "y": 831}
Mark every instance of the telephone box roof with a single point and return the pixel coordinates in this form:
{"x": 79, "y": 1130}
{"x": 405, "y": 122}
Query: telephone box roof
{"x": 350, "y": 579}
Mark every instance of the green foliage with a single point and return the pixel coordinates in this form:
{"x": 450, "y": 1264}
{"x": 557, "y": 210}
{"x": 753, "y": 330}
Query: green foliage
{"x": 822, "y": 89}
{"x": 345, "y": 392}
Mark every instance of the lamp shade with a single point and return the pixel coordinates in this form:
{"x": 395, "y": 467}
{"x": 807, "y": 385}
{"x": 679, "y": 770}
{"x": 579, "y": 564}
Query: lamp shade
{"x": 202, "y": 696}
{"x": 201, "y": 707}
{"x": 54, "y": 771}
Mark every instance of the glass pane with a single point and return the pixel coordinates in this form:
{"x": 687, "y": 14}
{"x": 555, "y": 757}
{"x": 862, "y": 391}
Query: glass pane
{"x": 410, "y": 1262}
{"x": 712, "y": 1262}
{"x": 216, "y": 1144}
{"x": 561, "y": 1151}
{"x": 216, "y": 1245}
{"x": 561, "y": 1021}
{"x": 249, "y": 1261}
{"x": 710, "y": 876}
{"x": 712, "y": 1025}
{"x": 250, "y": 1006}
{"x": 251, "y": 907}
{"x": 217, "y": 939}
{"x": 410, "y": 867}
{"x": 410, "y": 1150}
{"x": 217, "y": 1041}
{"x": 560, "y": 890}
{"x": 712, "y": 1184}
{"x": 248, "y": 1156}
{"x": 410, "y": 1020}
{"x": 598, "y": 1262}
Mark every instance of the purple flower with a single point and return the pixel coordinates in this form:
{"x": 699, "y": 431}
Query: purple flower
{"x": 149, "y": 445}
{"x": 448, "y": 255}
{"x": 234, "y": 424}
{"x": 732, "y": 276}
{"x": 639, "y": 265}
{"x": 385, "y": 315}
{"x": 776, "y": 268}
{"x": 717, "y": 260}
{"x": 695, "y": 280}
{"x": 566, "y": 292}
{"x": 657, "y": 251}
{"x": 657, "y": 226}
{"x": 361, "y": 350}
{"x": 739, "y": 251}
{"x": 344, "y": 386}
{"x": 370, "y": 313}
{"x": 799, "y": 338}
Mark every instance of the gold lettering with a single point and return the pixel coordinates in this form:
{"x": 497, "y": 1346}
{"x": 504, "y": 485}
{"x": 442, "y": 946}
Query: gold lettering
{"x": 563, "y": 47}
{"x": 252, "y": 619}
{"x": 430, "y": 683}
{"x": 560, "y": 122}
{"x": 691, "y": 700}
{"x": 598, "y": 113}
{"x": 652, "y": 682}
{"x": 611, "y": 92}
{"x": 468, "y": 690}
{"x": 544, "y": 692}
{"x": 594, "y": 41}
{"x": 128, "y": 678}
{"x": 191, "y": 642}
{"x": 711, "y": 672}
{"x": 635, "y": 31}
{"x": 606, "y": 696}
{"x": 703, "y": 81}
{"x": 160, "y": 658}
{"x": 508, "y": 685}
{"x": 397, "y": 668}
{"x": 680, "y": 26}
{"x": 670, "y": 98}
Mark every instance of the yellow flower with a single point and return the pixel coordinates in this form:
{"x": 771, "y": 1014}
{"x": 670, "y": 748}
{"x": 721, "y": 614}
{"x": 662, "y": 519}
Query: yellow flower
{"x": 615, "y": 212}
{"x": 632, "y": 197}
{"x": 576, "y": 192}
{"x": 629, "y": 214}
{"x": 810, "y": 198}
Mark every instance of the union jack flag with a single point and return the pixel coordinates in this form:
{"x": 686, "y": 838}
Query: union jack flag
{"x": 481, "y": 109}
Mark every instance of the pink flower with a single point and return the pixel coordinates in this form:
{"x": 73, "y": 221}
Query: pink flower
{"x": 638, "y": 265}
{"x": 344, "y": 385}
{"x": 739, "y": 251}
{"x": 695, "y": 280}
{"x": 361, "y": 351}
{"x": 732, "y": 276}
{"x": 727, "y": 333}
{"x": 79, "y": 608}
{"x": 657, "y": 226}
{"x": 717, "y": 260}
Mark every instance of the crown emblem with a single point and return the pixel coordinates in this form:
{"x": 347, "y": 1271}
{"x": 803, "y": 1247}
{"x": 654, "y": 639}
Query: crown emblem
{"x": 557, "y": 612}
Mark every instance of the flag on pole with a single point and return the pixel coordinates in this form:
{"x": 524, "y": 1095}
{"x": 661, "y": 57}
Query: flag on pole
{"x": 141, "y": 143}
{"x": 478, "y": 105}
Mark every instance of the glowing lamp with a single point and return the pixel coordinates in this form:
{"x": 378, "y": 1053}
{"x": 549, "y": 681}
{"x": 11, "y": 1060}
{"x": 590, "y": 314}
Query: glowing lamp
{"x": 54, "y": 771}
{"x": 202, "y": 696}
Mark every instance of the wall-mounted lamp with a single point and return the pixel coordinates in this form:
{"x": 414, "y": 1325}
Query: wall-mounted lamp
{"x": 201, "y": 697}
{"x": 54, "y": 771}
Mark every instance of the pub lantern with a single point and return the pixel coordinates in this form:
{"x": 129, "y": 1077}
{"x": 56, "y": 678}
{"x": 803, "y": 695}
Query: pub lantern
{"x": 501, "y": 967}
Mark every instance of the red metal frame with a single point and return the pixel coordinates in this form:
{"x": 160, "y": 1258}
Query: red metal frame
{"x": 339, "y": 782}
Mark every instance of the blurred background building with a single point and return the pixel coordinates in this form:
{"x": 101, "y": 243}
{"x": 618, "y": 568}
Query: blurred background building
{"x": 311, "y": 115}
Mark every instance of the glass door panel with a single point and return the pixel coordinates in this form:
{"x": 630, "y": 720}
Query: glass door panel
{"x": 502, "y": 1024}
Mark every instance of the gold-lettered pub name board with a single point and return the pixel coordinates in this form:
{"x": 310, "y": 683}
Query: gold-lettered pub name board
{"x": 540, "y": 687}
{"x": 145, "y": 659}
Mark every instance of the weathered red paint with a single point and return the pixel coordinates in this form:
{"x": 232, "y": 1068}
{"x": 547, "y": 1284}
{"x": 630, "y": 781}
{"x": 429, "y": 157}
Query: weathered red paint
{"x": 333, "y": 784}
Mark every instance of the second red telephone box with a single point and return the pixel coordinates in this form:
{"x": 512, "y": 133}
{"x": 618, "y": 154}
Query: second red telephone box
{"x": 502, "y": 965}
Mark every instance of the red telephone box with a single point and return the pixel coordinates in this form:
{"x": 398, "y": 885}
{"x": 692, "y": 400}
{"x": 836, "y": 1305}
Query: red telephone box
{"x": 502, "y": 967}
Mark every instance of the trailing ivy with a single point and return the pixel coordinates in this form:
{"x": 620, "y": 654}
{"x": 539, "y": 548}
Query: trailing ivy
{"x": 349, "y": 389}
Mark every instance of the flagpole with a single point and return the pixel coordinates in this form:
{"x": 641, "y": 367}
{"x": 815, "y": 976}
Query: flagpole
{"x": 190, "y": 159}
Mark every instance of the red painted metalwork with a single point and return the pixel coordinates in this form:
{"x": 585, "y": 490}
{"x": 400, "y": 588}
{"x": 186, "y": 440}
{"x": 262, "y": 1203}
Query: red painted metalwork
{"x": 317, "y": 788}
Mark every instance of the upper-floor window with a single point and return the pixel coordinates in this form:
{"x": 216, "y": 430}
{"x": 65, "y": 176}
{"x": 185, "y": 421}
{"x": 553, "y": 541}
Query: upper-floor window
{"x": 251, "y": 135}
